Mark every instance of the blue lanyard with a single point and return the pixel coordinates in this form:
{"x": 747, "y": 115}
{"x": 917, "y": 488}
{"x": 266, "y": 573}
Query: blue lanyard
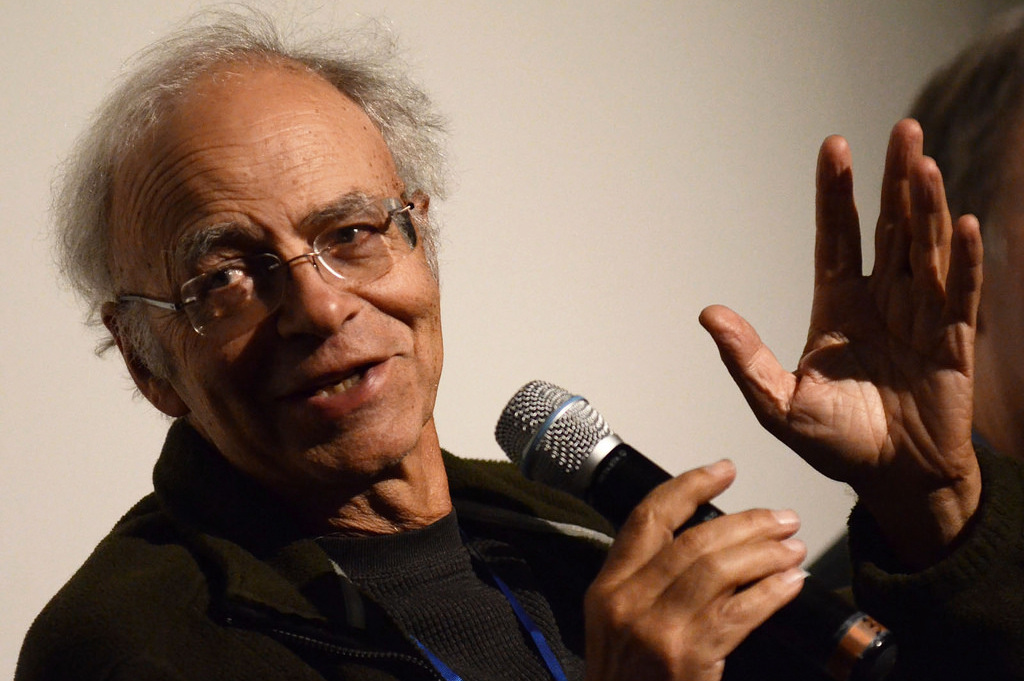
{"x": 541, "y": 643}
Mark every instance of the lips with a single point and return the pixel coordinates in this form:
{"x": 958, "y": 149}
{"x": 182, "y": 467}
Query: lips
{"x": 341, "y": 386}
{"x": 331, "y": 384}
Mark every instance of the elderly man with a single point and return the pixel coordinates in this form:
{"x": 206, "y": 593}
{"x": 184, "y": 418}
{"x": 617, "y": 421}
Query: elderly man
{"x": 251, "y": 224}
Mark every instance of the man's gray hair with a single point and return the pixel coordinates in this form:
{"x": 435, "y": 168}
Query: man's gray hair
{"x": 362, "y": 66}
{"x": 970, "y": 110}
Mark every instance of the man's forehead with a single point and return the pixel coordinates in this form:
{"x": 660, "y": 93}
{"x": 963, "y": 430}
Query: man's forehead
{"x": 245, "y": 98}
{"x": 251, "y": 134}
{"x": 247, "y": 107}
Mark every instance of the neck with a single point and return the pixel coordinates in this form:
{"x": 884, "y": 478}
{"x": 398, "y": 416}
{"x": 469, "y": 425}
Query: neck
{"x": 407, "y": 494}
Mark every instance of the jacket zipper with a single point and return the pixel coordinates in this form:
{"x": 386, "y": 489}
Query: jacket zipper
{"x": 324, "y": 646}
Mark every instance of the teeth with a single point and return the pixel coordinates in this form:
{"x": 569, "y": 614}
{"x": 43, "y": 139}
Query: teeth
{"x": 341, "y": 386}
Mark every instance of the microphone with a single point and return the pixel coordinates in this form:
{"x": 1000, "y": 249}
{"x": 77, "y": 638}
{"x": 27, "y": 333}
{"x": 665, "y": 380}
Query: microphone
{"x": 559, "y": 439}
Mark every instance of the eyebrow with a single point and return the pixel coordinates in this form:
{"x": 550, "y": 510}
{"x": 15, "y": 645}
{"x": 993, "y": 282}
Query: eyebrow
{"x": 193, "y": 245}
{"x": 339, "y": 209}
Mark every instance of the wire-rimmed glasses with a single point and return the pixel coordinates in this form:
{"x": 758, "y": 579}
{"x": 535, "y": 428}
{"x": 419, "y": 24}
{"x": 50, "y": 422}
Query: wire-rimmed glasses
{"x": 357, "y": 248}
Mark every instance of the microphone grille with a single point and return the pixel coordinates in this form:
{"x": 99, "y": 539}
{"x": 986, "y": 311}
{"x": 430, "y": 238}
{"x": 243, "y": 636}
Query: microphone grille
{"x": 549, "y": 433}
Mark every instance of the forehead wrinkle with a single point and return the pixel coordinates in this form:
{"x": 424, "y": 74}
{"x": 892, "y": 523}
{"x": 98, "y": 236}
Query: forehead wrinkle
{"x": 165, "y": 195}
{"x": 186, "y": 190}
{"x": 175, "y": 186}
{"x": 158, "y": 193}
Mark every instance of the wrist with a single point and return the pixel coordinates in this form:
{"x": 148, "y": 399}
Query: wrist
{"x": 921, "y": 527}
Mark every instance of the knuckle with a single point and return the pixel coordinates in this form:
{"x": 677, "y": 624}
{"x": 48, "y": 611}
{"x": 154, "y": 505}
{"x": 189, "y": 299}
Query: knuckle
{"x": 709, "y": 567}
{"x": 645, "y": 514}
{"x": 759, "y": 520}
{"x": 735, "y": 610}
{"x": 696, "y": 541}
{"x": 614, "y": 607}
{"x": 649, "y": 517}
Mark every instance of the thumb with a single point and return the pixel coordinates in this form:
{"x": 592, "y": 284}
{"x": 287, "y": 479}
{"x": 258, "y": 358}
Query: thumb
{"x": 767, "y": 387}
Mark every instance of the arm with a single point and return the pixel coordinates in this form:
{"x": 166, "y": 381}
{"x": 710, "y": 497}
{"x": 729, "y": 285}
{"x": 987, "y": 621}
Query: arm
{"x": 963, "y": 617}
{"x": 882, "y": 396}
{"x": 672, "y": 607}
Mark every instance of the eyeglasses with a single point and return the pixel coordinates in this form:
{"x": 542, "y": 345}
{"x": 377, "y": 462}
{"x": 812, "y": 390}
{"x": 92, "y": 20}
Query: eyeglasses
{"x": 237, "y": 294}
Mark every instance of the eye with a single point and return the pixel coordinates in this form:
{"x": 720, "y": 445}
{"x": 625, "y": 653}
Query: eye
{"x": 229, "y": 283}
{"x": 226, "y": 277}
{"x": 350, "y": 241}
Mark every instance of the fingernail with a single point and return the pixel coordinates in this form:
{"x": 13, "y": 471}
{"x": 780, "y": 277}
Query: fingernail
{"x": 786, "y": 517}
{"x": 719, "y": 468}
{"x": 793, "y": 575}
{"x": 795, "y": 545}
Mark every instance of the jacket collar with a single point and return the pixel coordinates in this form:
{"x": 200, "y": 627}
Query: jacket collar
{"x": 263, "y": 559}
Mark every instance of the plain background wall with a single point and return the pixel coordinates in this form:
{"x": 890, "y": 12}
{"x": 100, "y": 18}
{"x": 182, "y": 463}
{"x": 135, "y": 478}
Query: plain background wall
{"x": 618, "y": 167}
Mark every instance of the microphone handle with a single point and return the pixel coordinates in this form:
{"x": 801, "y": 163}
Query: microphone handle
{"x": 818, "y": 626}
{"x": 632, "y": 476}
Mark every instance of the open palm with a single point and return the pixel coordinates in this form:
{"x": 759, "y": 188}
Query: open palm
{"x": 882, "y": 396}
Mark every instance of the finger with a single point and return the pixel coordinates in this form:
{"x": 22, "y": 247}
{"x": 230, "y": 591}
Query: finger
{"x": 652, "y": 524}
{"x": 723, "y": 547}
{"x": 749, "y": 608}
{"x": 931, "y": 229}
{"x": 905, "y": 146}
{"x": 963, "y": 283}
{"x": 891, "y": 233}
{"x": 963, "y": 290}
{"x": 837, "y": 238}
{"x": 767, "y": 387}
{"x": 734, "y": 529}
{"x": 736, "y": 567}
{"x": 718, "y": 588}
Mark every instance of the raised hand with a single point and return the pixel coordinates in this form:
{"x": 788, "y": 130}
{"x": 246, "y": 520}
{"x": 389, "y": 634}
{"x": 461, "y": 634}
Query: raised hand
{"x": 882, "y": 396}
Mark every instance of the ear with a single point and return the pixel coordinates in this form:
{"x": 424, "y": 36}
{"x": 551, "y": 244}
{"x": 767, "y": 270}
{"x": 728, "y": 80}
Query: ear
{"x": 422, "y": 202}
{"x": 159, "y": 391}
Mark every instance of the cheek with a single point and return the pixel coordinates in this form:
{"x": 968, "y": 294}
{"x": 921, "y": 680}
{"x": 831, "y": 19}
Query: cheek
{"x": 411, "y": 299}
{"x": 212, "y": 377}
{"x": 432, "y": 331}
{"x": 410, "y": 294}
{"x": 425, "y": 315}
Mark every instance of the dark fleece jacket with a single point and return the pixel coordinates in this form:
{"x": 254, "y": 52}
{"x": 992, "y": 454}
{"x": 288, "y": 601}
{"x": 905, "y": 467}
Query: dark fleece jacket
{"x": 208, "y": 578}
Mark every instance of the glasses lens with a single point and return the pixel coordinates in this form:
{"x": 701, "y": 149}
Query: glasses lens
{"x": 236, "y": 296}
{"x": 363, "y": 248}
{"x": 240, "y": 293}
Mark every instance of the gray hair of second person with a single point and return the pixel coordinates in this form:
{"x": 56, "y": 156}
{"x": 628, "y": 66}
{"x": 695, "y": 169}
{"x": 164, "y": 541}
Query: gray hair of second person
{"x": 363, "y": 65}
{"x": 970, "y": 111}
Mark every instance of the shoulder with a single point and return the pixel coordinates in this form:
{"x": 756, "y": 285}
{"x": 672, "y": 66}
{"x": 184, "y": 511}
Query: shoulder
{"x": 104, "y": 616}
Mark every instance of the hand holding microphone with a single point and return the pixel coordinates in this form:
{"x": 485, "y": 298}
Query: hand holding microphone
{"x": 683, "y": 584}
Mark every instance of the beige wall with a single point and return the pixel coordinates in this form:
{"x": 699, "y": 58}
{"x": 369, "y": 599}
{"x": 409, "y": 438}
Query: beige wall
{"x": 619, "y": 166}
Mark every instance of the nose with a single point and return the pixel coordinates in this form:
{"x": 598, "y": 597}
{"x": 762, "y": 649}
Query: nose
{"x": 312, "y": 305}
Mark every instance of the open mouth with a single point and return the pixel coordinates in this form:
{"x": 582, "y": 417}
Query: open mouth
{"x": 347, "y": 383}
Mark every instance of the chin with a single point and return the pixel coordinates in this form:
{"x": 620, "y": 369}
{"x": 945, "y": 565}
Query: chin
{"x": 365, "y": 459}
